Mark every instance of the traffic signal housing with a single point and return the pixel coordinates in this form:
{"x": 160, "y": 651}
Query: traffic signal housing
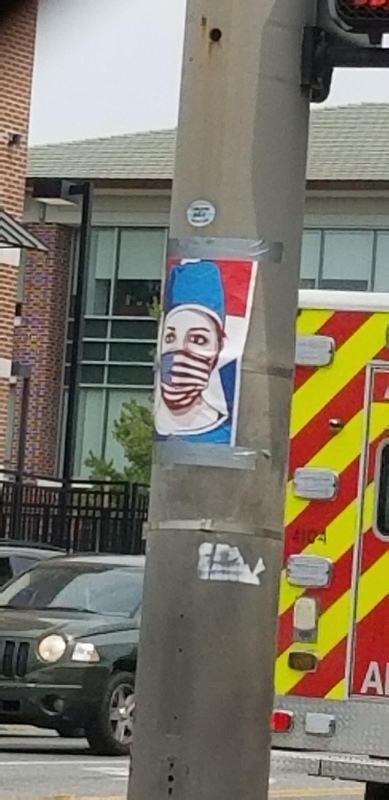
{"x": 361, "y": 16}
{"x": 347, "y": 34}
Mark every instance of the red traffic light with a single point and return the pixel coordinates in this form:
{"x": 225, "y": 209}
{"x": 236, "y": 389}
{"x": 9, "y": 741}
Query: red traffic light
{"x": 363, "y": 15}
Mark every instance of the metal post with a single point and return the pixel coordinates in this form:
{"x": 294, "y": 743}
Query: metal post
{"x": 78, "y": 327}
{"x": 205, "y": 671}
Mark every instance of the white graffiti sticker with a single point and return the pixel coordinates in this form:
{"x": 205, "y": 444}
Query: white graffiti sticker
{"x": 222, "y": 562}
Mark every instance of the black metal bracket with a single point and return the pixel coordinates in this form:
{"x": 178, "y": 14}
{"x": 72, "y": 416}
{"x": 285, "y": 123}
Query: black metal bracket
{"x": 322, "y": 53}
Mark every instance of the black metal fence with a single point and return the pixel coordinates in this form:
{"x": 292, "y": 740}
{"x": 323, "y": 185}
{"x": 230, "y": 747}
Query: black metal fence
{"x": 104, "y": 517}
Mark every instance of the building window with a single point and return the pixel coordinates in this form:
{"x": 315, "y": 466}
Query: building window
{"x": 345, "y": 260}
{"x": 310, "y": 259}
{"x": 123, "y": 283}
{"x": 381, "y": 267}
{"x": 125, "y": 271}
{"x": 98, "y": 409}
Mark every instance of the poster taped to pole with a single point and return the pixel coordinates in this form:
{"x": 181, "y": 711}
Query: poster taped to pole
{"x": 207, "y": 307}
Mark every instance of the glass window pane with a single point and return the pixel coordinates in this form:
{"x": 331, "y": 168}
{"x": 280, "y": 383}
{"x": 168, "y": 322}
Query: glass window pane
{"x": 381, "y": 279}
{"x": 102, "y": 253}
{"x": 142, "y": 253}
{"x": 348, "y": 260}
{"x": 101, "y": 270}
{"x": 382, "y": 513}
{"x": 347, "y": 285}
{"x": 134, "y": 298}
{"x": 135, "y": 329}
{"x": 94, "y": 351}
{"x": 121, "y": 351}
{"x": 116, "y": 398}
{"x": 90, "y": 425}
{"x": 21, "y": 276}
{"x": 113, "y": 450}
{"x": 92, "y": 373}
{"x": 98, "y": 298}
{"x": 10, "y": 423}
{"x": 310, "y": 259}
{"x": 95, "y": 329}
{"x": 136, "y": 376}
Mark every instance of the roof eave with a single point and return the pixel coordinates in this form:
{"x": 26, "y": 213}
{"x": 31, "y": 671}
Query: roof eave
{"x": 316, "y": 185}
{"x": 14, "y": 236}
{"x": 112, "y": 183}
{"x": 326, "y": 185}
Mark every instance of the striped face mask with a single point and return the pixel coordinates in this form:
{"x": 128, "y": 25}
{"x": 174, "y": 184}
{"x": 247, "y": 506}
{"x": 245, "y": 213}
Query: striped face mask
{"x": 184, "y": 376}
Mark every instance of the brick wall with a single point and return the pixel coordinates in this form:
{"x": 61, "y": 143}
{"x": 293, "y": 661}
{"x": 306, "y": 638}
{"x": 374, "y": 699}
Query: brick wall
{"x": 40, "y": 342}
{"x": 17, "y": 43}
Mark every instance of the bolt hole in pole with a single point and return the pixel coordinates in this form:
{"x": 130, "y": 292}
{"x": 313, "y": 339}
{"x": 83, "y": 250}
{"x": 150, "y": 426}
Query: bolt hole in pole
{"x": 171, "y": 782}
{"x": 215, "y": 35}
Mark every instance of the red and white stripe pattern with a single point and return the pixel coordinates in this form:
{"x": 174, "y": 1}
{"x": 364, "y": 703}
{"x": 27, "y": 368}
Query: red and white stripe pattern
{"x": 183, "y": 377}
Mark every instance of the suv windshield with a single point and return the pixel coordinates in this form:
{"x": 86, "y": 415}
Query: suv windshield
{"x": 91, "y": 588}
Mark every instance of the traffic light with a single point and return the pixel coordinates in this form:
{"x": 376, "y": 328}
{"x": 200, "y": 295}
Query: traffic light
{"x": 347, "y": 34}
{"x": 361, "y": 16}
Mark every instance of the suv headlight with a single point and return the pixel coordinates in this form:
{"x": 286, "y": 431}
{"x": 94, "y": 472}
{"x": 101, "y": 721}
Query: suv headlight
{"x": 52, "y": 648}
{"x": 85, "y": 652}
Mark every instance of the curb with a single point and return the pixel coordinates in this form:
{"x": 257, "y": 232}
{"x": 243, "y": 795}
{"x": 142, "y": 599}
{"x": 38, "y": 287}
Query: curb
{"x": 22, "y": 730}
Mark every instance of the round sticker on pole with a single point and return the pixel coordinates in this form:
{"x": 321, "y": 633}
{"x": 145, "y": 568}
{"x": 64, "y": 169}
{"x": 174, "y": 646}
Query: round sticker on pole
{"x": 201, "y": 213}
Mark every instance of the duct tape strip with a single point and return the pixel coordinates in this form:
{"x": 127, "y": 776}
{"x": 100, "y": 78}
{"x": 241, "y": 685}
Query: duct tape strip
{"x": 212, "y": 526}
{"x": 227, "y": 249}
{"x": 176, "y": 452}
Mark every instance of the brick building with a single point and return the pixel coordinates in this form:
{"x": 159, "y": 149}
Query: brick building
{"x": 346, "y": 247}
{"x": 17, "y": 44}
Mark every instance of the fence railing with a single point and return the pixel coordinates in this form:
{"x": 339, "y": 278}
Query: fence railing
{"x": 80, "y": 517}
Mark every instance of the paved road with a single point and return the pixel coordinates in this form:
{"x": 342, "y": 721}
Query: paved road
{"x": 45, "y": 767}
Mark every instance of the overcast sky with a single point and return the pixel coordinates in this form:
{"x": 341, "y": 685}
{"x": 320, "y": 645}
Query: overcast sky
{"x": 106, "y": 67}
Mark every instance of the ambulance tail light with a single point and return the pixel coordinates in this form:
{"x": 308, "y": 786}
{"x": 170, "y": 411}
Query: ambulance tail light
{"x": 282, "y": 722}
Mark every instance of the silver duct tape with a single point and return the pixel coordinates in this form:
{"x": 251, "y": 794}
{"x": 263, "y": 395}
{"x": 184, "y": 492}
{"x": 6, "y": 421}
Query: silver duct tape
{"x": 211, "y": 526}
{"x": 248, "y": 249}
{"x": 178, "y": 453}
{"x": 201, "y": 525}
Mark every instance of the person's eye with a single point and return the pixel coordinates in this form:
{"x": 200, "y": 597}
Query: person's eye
{"x": 169, "y": 337}
{"x": 199, "y": 339}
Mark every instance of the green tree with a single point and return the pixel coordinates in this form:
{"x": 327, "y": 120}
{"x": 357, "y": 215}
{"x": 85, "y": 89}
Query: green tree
{"x": 134, "y": 432}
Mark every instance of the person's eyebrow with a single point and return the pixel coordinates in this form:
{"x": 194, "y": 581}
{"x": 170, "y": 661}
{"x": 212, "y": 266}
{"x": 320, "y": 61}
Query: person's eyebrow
{"x": 199, "y": 329}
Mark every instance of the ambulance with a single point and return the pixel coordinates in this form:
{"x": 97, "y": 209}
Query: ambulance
{"x": 332, "y": 670}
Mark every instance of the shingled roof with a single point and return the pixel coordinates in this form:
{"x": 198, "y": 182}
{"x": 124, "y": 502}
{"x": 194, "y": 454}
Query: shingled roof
{"x": 347, "y": 143}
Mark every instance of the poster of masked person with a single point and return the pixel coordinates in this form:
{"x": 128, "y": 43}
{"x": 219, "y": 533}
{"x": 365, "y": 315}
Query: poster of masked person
{"x": 207, "y": 307}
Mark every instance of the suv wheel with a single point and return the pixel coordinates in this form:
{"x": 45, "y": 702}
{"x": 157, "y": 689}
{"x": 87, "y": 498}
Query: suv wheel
{"x": 377, "y": 791}
{"x": 110, "y": 733}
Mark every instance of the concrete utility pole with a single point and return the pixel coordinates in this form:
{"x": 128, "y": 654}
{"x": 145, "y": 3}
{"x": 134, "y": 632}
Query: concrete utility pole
{"x": 205, "y": 673}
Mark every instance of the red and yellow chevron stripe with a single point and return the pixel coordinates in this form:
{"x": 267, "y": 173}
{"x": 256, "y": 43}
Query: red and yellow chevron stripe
{"x": 330, "y": 528}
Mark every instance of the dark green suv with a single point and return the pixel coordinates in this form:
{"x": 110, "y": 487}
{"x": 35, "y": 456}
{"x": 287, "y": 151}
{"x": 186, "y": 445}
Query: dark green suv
{"x": 69, "y": 631}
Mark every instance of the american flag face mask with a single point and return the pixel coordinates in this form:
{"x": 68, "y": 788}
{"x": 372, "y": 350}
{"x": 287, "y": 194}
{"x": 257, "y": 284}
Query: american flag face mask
{"x": 184, "y": 376}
